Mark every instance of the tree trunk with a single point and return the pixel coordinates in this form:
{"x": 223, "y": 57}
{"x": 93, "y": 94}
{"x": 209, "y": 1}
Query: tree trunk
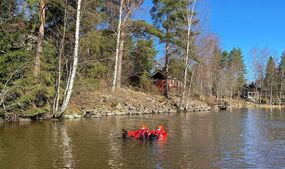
{"x": 189, "y": 22}
{"x": 120, "y": 62}
{"x": 232, "y": 92}
{"x": 189, "y": 89}
{"x": 261, "y": 92}
{"x": 59, "y": 69}
{"x": 39, "y": 48}
{"x": 117, "y": 47}
{"x": 166, "y": 87}
{"x": 270, "y": 94}
{"x": 280, "y": 95}
{"x": 75, "y": 60}
{"x": 281, "y": 89}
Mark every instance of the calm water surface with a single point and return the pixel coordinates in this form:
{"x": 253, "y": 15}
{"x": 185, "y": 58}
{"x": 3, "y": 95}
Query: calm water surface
{"x": 238, "y": 139}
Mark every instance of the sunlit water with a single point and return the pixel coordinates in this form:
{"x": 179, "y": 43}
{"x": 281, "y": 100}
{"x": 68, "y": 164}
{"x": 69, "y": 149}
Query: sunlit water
{"x": 237, "y": 139}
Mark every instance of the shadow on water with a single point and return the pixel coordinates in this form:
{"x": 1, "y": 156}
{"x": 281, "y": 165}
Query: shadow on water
{"x": 245, "y": 138}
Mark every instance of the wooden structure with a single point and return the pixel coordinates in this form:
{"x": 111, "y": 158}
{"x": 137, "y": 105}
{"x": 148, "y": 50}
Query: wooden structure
{"x": 159, "y": 79}
{"x": 223, "y": 104}
{"x": 251, "y": 92}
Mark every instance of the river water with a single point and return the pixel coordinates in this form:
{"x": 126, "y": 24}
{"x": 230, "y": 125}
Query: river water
{"x": 243, "y": 138}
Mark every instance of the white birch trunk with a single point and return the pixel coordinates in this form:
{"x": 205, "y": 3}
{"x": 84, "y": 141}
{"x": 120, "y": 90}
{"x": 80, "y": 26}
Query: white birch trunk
{"x": 117, "y": 46}
{"x": 120, "y": 61}
{"x": 189, "y": 21}
{"x": 189, "y": 90}
{"x": 61, "y": 50}
{"x": 75, "y": 60}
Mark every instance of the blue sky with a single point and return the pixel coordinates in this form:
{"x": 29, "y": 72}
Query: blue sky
{"x": 240, "y": 23}
{"x": 247, "y": 24}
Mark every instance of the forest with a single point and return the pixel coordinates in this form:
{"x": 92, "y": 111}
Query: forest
{"x": 51, "y": 50}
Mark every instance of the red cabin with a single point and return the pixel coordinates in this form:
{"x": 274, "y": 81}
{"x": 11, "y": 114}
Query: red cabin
{"x": 159, "y": 79}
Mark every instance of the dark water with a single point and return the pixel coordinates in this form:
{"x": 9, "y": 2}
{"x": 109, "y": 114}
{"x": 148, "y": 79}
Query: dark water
{"x": 237, "y": 139}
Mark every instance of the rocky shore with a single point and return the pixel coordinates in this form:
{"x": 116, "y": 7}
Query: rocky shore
{"x": 136, "y": 103}
{"x": 127, "y": 102}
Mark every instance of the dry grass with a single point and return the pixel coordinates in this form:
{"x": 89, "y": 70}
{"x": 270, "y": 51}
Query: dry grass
{"x": 84, "y": 99}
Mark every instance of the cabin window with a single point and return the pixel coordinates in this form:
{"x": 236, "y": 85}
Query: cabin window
{"x": 171, "y": 82}
{"x": 251, "y": 95}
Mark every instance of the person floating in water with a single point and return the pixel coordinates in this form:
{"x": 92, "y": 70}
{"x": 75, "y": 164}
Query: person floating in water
{"x": 144, "y": 134}
{"x": 160, "y": 133}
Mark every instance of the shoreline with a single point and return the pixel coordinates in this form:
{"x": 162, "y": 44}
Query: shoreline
{"x": 127, "y": 103}
{"x": 124, "y": 102}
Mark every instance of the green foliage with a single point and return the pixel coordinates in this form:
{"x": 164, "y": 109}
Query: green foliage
{"x": 144, "y": 54}
{"x": 146, "y": 82}
{"x": 21, "y": 96}
{"x": 270, "y": 73}
{"x": 237, "y": 68}
{"x": 142, "y": 29}
{"x": 176, "y": 66}
{"x": 143, "y": 62}
{"x": 168, "y": 16}
{"x": 7, "y": 9}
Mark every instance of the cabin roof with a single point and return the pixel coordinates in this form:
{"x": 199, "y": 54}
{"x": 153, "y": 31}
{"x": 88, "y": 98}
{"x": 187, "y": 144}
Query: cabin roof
{"x": 158, "y": 75}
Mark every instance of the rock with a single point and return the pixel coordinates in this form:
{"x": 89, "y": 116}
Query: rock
{"x": 138, "y": 113}
{"x": 131, "y": 108}
{"x": 98, "y": 115}
{"x": 119, "y": 113}
{"x": 146, "y": 111}
{"x": 68, "y": 116}
{"x": 154, "y": 111}
{"x": 87, "y": 114}
{"x": 110, "y": 113}
{"x": 119, "y": 107}
{"x": 76, "y": 115}
{"x": 160, "y": 111}
{"x": 104, "y": 112}
{"x": 24, "y": 120}
{"x": 88, "y": 110}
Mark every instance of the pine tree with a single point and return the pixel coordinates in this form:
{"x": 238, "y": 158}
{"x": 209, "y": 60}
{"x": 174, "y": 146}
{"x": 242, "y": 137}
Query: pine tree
{"x": 281, "y": 77}
{"x": 237, "y": 71}
{"x": 270, "y": 77}
{"x": 168, "y": 16}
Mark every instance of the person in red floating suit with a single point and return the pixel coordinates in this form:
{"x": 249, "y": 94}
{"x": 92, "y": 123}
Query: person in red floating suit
{"x": 160, "y": 133}
{"x": 142, "y": 133}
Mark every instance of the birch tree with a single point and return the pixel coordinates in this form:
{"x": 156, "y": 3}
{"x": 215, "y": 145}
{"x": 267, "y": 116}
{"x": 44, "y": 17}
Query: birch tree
{"x": 39, "y": 48}
{"x": 260, "y": 57}
{"x": 126, "y": 9}
{"x": 117, "y": 46}
{"x": 189, "y": 22}
{"x": 74, "y": 67}
{"x": 59, "y": 69}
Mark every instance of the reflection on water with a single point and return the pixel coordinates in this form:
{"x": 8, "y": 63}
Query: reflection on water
{"x": 236, "y": 139}
{"x": 62, "y": 143}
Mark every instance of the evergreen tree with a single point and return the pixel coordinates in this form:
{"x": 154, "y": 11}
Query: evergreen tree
{"x": 143, "y": 61}
{"x": 169, "y": 16}
{"x": 237, "y": 71}
{"x": 270, "y": 77}
{"x": 8, "y": 9}
{"x": 281, "y": 76}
